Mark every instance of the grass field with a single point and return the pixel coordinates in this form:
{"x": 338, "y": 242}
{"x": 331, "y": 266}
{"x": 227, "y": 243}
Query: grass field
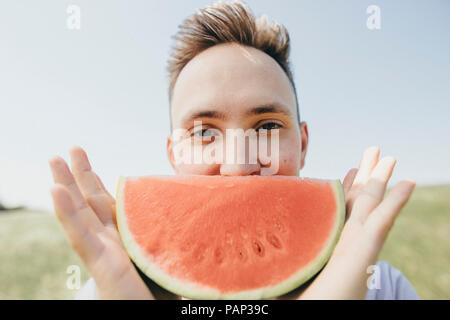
{"x": 35, "y": 255}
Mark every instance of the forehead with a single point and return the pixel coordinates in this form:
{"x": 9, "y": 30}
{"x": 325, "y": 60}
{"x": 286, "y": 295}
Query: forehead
{"x": 230, "y": 78}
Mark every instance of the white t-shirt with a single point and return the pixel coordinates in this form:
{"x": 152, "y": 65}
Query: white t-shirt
{"x": 387, "y": 283}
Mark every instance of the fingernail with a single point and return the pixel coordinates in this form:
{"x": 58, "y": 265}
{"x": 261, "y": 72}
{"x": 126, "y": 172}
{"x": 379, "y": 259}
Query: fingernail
{"x": 411, "y": 184}
{"x": 390, "y": 159}
{"x": 54, "y": 160}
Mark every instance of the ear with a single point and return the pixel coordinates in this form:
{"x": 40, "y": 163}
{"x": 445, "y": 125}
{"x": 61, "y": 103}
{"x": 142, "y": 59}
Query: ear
{"x": 170, "y": 153}
{"x": 304, "y": 138}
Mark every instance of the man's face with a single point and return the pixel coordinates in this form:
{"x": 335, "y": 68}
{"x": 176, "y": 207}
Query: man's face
{"x": 230, "y": 86}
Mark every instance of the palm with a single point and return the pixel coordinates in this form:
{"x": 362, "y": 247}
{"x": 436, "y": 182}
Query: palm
{"x": 86, "y": 211}
{"x": 368, "y": 221}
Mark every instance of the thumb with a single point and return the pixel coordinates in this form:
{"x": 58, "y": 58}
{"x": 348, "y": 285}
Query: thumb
{"x": 348, "y": 180}
{"x": 347, "y": 186}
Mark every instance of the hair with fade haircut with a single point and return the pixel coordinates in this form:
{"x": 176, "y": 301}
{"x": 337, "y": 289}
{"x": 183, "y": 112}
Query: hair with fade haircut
{"x": 224, "y": 22}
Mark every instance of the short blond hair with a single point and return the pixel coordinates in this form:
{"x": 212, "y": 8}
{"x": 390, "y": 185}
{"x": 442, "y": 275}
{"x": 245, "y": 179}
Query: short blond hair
{"x": 224, "y": 22}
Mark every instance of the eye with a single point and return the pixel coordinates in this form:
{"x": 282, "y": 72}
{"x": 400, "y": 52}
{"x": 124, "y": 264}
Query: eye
{"x": 206, "y": 132}
{"x": 270, "y": 126}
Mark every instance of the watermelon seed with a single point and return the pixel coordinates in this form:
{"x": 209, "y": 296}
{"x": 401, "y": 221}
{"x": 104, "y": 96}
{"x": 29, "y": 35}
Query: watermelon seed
{"x": 219, "y": 255}
{"x": 258, "y": 248}
{"x": 273, "y": 240}
{"x": 242, "y": 254}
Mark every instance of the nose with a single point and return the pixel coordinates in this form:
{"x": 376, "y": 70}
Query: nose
{"x": 239, "y": 169}
{"x": 239, "y": 158}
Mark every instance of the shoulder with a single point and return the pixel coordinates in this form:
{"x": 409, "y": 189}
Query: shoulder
{"x": 388, "y": 283}
{"x": 88, "y": 291}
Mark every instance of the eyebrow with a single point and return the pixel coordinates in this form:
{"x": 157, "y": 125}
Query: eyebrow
{"x": 258, "y": 110}
{"x": 269, "y": 108}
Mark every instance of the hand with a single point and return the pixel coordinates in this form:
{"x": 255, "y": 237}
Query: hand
{"x": 368, "y": 221}
{"x": 87, "y": 213}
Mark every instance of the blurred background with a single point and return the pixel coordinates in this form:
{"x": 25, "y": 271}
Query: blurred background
{"x": 104, "y": 87}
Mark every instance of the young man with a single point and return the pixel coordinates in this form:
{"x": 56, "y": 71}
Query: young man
{"x": 229, "y": 71}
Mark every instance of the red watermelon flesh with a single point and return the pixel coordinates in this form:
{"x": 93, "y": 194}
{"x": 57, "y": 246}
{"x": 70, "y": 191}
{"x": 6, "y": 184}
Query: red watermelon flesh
{"x": 215, "y": 237}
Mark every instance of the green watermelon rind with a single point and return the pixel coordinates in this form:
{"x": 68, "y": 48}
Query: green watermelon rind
{"x": 194, "y": 291}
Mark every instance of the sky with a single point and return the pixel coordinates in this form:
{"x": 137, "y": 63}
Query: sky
{"x": 104, "y": 87}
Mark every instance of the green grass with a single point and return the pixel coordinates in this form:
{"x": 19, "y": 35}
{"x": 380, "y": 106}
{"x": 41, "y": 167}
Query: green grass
{"x": 34, "y": 252}
{"x": 419, "y": 243}
{"x": 34, "y": 256}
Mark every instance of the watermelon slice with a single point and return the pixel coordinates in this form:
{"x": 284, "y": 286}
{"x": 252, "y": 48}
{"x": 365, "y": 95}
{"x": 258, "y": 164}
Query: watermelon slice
{"x": 214, "y": 237}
